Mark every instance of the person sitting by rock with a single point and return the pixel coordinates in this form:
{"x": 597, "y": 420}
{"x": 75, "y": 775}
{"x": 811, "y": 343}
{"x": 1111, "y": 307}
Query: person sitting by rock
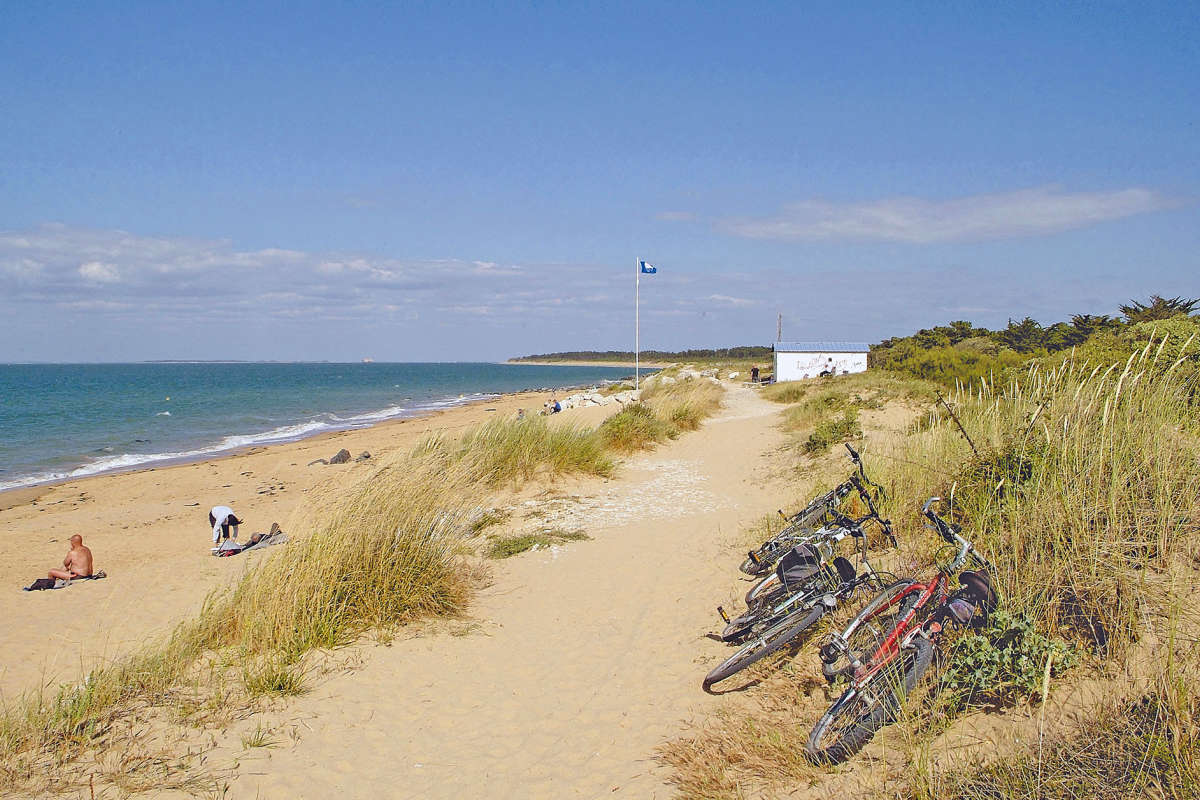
{"x": 221, "y": 518}
{"x": 77, "y": 564}
{"x": 555, "y": 406}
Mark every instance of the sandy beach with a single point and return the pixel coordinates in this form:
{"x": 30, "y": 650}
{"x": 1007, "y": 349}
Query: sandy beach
{"x": 149, "y": 532}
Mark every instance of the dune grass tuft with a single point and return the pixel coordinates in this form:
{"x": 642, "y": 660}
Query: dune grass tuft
{"x": 507, "y": 546}
{"x": 664, "y": 412}
{"x": 833, "y": 430}
{"x": 506, "y": 451}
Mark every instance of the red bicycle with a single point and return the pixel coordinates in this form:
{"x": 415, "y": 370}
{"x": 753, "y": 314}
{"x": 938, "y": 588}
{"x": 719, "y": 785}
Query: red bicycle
{"x": 890, "y": 643}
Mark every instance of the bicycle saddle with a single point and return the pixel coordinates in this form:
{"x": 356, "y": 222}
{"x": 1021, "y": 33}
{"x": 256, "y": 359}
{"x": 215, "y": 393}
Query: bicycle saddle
{"x": 979, "y": 587}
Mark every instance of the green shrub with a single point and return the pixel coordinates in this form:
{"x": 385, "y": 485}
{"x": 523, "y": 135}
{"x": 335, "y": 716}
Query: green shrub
{"x": 832, "y": 431}
{"x": 1004, "y": 662}
{"x": 508, "y": 546}
{"x": 787, "y": 392}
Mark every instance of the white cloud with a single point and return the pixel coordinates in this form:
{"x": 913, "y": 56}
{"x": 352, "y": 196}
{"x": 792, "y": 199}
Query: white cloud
{"x": 738, "y": 302}
{"x": 83, "y": 270}
{"x": 1004, "y": 215}
{"x": 99, "y": 272}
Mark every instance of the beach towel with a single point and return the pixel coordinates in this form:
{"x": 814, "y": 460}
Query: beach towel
{"x": 58, "y": 583}
{"x": 233, "y": 548}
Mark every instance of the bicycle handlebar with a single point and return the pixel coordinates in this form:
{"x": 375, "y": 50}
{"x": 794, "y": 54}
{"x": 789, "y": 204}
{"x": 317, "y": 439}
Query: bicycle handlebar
{"x": 946, "y": 531}
{"x": 940, "y": 525}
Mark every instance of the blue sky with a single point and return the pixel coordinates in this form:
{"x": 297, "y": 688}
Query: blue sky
{"x": 474, "y": 181}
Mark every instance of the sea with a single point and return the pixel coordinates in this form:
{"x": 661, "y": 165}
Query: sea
{"x": 61, "y": 421}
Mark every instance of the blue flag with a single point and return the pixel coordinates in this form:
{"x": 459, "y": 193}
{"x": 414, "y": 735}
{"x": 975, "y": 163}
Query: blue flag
{"x": 648, "y": 269}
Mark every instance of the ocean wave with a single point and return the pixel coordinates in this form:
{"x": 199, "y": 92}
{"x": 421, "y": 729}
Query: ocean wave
{"x": 321, "y": 423}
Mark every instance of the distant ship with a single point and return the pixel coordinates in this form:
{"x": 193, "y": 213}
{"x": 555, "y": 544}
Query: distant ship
{"x": 368, "y": 361}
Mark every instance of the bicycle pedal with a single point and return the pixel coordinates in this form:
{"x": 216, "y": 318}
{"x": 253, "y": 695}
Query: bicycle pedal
{"x": 724, "y": 616}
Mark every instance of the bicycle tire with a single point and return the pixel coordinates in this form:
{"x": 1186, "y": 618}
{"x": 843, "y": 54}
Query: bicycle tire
{"x": 764, "y": 591}
{"x": 768, "y": 642}
{"x": 864, "y": 710}
{"x": 763, "y": 610}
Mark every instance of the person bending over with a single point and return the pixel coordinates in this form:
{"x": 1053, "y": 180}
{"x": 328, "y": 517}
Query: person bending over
{"x": 77, "y": 564}
{"x": 221, "y": 518}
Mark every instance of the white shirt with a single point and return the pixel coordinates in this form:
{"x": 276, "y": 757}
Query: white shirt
{"x": 219, "y": 515}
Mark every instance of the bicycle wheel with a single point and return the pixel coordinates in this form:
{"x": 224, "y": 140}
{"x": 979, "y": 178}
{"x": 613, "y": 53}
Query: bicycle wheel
{"x": 768, "y": 553}
{"x": 764, "y": 591}
{"x": 766, "y": 643}
{"x": 870, "y": 628}
{"x": 861, "y": 711}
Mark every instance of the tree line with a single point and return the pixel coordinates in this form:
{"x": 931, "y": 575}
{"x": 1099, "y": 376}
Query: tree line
{"x": 962, "y": 351}
{"x": 744, "y": 351}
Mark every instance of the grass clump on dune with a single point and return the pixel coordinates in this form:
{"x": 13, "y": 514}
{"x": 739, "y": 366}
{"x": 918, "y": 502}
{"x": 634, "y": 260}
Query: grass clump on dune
{"x": 508, "y": 546}
{"x": 635, "y": 427}
{"x": 504, "y": 451}
{"x": 664, "y": 412}
{"x": 833, "y": 430}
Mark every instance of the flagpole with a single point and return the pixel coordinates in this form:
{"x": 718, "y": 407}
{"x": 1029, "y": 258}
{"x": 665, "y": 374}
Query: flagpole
{"x": 637, "y": 322}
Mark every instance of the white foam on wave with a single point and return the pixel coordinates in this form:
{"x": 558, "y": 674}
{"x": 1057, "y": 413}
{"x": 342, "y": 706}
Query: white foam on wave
{"x": 285, "y": 433}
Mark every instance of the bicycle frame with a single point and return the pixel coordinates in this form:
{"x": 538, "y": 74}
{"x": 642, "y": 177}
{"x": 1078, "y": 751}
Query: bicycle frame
{"x": 902, "y": 631}
{"x": 934, "y": 591}
{"x": 796, "y": 532}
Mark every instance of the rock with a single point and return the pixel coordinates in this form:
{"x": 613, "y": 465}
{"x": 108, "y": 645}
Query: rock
{"x": 713, "y": 380}
{"x": 688, "y": 374}
{"x": 318, "y": 461}
{"x": 363, "y": 456}
{"x": 667, "y": 380}
{"x": 342, "y": 457}
{"x": 733, "y": 375}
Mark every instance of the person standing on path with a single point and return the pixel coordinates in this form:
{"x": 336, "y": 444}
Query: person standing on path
{"x": 221, "y": 518}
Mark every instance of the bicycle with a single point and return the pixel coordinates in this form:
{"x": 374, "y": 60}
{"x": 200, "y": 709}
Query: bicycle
{"x": 890, "y": 644}
{"x": 815, "y": 548}
{"x": 818, "y": 584}
{"x": 803, "y": 523}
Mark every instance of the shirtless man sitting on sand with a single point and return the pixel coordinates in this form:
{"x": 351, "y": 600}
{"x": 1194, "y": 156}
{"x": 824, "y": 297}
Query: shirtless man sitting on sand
{"x": 77, "y": 564}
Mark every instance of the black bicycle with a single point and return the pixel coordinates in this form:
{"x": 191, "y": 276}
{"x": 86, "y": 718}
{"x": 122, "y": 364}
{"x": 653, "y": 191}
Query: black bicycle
{"x": 801, "y": 525}
{"x": 813, "y": 583}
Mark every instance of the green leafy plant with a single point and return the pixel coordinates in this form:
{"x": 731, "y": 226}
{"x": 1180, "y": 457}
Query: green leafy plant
{"x": 508, "y": 546}
{"x": 1002, "y": 663}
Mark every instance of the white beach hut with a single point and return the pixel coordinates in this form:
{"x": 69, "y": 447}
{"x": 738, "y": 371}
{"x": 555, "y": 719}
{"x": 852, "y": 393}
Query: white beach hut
{"x": 796, "y": 360}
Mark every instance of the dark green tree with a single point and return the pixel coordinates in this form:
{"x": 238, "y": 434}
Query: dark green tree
{"x": 1158, "y": 308}
{"x": 1024, "y": 336}
{"x": 1060, "y": 336}
{"x": 1088, "y": 324}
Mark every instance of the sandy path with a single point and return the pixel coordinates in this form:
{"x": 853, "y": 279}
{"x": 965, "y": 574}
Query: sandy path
{"x": 584, "y": 658}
